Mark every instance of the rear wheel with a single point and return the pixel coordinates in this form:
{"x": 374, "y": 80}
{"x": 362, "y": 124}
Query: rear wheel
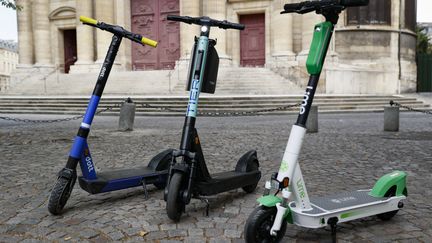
{"x": 60, "y": 194}
{"x": 175, "y": 205}
{"x": 388, "y": 215}
{"x": 252, "y": 166}
{"x": 259, "y": 224}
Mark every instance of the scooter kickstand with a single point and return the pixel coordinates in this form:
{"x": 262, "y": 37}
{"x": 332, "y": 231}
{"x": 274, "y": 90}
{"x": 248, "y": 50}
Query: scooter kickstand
{"x": 146, "y": 196}
{"x": 206, "y": 201}
{"x": 333, "y": 225}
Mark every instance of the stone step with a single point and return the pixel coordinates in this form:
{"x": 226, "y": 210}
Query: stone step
{"x": 175, "y": 106}
{"x": 202, "y": 105}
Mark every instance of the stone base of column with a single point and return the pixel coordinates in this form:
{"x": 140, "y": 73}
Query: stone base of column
{"x": 83, "y": 67}
{"x": 302, "y": 56}
{"x": 225, "y": 61}
{"x": 93, "y": 68}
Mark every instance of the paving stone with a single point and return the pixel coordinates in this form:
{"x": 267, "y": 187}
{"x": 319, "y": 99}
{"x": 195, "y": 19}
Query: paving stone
{"x": 116, "y": 235}
{"x": 232, "y": 233}
{"x": 56, "y": 235}
{"x": 177, "y": 233}
{"x": 195, "y": 232}
{"x": 88, "y": 233}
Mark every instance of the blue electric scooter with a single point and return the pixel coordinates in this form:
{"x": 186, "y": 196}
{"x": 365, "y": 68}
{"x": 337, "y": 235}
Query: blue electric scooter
{"x": 154, "y": 173}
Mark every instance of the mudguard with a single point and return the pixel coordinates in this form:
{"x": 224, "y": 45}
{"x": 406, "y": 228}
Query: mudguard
{"x": 161, "y": 161}
{"x": 271, "y": 201}
{"x": 396, "y": 178}
{"x": 242, "y": 163}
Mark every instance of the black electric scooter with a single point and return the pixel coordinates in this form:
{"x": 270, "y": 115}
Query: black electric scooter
{"x": 155, "y": 173}
{"x": 191, "y": 178}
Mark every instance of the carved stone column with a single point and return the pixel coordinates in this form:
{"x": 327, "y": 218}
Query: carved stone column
{"x": 41, "y": 32}
{"x": 281, "y": 32}
{"x": 308, "y": 23}
{"x": 85, "y": 39}
{"x": 216, "y": 9}
{"x": 187, "y": 32}
{"x": 105, "y": 13}
{"x": 25, "y": 34}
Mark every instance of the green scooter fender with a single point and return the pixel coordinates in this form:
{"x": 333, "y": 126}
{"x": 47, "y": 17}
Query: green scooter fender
{"x": 271, "y": 201}
{"x": 396, "y": 178}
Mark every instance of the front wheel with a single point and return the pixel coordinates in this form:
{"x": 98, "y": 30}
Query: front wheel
{"x": 60, "y": 194}
{"x": 259, "y": 224}
{"x": 175, "y": 205}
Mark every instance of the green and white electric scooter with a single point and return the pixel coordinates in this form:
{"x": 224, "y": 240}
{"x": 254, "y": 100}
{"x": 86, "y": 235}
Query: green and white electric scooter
{"x": 268, "y": 222}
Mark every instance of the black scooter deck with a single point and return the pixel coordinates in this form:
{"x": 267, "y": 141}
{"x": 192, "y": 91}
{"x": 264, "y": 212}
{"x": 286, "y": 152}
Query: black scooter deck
{"x": 226, "y": 181}
{"x": 121, "y": 179}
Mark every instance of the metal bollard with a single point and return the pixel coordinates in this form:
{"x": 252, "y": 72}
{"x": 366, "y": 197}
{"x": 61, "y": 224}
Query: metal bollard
{"x": 391, "y": 118}
{"x": 312, "y": 121}
{"x": 127, "y": 115}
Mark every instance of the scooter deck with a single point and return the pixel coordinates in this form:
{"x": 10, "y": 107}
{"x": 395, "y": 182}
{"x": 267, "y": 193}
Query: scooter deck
{"x": 121, "y": 179}
{"x": 226, "y": 181}
{"x": 345, "y": 206}
{"x": 342, "y": 201}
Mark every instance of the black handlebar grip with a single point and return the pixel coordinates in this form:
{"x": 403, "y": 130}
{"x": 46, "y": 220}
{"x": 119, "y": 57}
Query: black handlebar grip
{"x": 292, "y": 7}
{"x": 237, "y": 26}
{"x": 354, "y": 3}
{"x": 185, "y": 19}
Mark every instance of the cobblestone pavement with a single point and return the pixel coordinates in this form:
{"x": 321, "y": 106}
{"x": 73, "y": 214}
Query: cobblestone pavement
{"x": 350, "y": 152}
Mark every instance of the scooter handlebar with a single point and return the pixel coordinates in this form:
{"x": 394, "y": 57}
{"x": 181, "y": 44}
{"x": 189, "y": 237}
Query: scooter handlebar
{"x": 354, "y": 3}
{"x": 184, "y": 19}
{"x": 88, "y": 20}
{"x": 206, "y": 21}
{"x": 228, "y": 25}
{"x": 118, "y": 30}
{"x": 309, "y": 6}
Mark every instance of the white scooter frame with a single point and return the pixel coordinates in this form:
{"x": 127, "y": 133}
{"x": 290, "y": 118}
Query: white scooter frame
{"x": 267, "y": 223}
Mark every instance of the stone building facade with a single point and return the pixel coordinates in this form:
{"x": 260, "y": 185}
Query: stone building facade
{"x": 8, "y": 62}
{"x": 373, "y": 50}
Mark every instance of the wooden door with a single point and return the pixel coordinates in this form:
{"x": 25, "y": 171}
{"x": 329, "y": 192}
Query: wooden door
{"x": 70, "y": 49}
{"x": 149, "y": 19}
{"x": 252, "y": 40}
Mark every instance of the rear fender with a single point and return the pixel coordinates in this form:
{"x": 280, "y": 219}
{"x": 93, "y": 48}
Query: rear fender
{"x": 247, "y": 158}
{"x": 396, "y": 178}
{"x": 161, "y": 161}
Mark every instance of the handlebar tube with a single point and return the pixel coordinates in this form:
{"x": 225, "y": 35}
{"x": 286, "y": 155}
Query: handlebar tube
{"x": 319, "y": 6}
{"x": 206, "y": 21}
{"x": 119, "y": 31}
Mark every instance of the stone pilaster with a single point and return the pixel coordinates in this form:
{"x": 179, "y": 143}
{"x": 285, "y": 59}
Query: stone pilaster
{"x": 105, "y": 13}
{"x": 41, "y": 33}
{"x": 85, "y": 39}
{"x": 122, "y": 13}
{"x": 25, "y": 33}
{"x": 281, "y": 32}
{"x": 308, "y": 22}
{"x": 216, "y": 9}
{"x": 187, "y": 32}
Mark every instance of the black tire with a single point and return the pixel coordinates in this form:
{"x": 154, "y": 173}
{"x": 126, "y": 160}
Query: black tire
{"x": 175, "y": 205}
{"x": 388, "y": 215}
{"x": 59, "y": 195}
{"x": 258, "y": 226}
{"x": 252, "y": 166}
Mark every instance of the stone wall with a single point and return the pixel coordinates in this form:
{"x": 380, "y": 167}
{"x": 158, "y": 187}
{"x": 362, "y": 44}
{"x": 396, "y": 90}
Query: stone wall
{"x": 361, "y": 60}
